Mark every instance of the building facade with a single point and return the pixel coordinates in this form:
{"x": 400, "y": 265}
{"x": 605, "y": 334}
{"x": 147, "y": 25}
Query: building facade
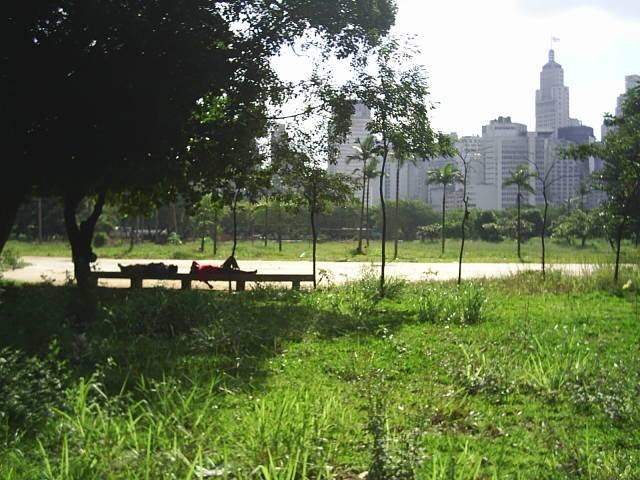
{"x": 552, "y": 98}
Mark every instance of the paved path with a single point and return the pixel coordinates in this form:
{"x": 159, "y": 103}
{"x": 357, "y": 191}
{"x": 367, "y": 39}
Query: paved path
{"x": 59, "y": 269}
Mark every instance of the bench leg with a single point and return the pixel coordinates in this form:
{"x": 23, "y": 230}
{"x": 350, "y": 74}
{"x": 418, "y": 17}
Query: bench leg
{"x": 240, "y": 286}
{"x": 295, "y": 285}
{"x": 185, "y": 284}
{"x": 136, "y": 282}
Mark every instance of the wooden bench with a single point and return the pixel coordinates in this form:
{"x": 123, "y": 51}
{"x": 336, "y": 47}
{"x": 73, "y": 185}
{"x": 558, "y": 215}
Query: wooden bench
{"x": 240, "y": 279}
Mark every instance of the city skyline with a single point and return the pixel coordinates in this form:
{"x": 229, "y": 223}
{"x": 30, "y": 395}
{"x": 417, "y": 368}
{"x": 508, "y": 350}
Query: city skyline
{"x": 483, "y": 59}
{"x": 504, "y": 146}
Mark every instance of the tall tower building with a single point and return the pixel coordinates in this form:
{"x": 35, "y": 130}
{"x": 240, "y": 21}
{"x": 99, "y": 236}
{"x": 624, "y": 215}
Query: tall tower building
{"x": 630, "y": 81}
{"x": 358, "y": 131}
{"x": 504, "y": 147}
{"x": 552, "y": 99}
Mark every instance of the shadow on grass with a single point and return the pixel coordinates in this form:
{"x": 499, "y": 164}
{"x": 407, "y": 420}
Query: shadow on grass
{"x": 157, "y": 333}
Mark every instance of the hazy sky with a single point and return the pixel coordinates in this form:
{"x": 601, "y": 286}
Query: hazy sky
{"x": 484, "y": 58}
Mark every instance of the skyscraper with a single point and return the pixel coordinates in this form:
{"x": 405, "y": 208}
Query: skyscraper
{"x": 552, "y": 99}
{"x": 505, "y": 146}
{"x": 630, "y": 81}
{"x": 358, "y": 131}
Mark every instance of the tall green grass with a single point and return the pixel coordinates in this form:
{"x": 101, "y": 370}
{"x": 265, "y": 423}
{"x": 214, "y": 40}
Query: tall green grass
{"x": 596, "y": 251}
{"x": 540, "y": 380}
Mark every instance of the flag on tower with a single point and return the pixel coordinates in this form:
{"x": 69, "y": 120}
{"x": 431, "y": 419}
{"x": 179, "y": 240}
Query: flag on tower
{"x": 555, "y": 39}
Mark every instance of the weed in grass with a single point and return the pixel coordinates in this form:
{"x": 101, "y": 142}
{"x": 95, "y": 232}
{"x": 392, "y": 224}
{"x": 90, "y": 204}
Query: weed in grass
{"x": 550, "y": 366}
{"x": 614, "y": 393}
{"x": 465, "y": 465}
{"x": 479, "y": 375}
{"x": 30, "y": 388}
{"x": 393, "y": 457}
{"x": 295, "y": 431}
{"x": 269, "y": 384}
{"x": 465, "y": 304}
{"x": 9, "y": 259}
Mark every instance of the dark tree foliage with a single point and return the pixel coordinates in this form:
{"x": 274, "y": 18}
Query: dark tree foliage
{"x": 103, "y": 97}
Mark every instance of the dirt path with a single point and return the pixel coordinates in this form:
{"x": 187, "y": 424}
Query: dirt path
{"x": 58, "y": 270}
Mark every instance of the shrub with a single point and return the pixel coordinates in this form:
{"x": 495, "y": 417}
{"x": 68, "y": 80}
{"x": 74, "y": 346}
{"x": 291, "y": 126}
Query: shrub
{"x": 174, "y": 239}
{"x": 100, "y": 240}
{"x": 30, "y": 388}
{"x": 464, "y": 304}
{"x": 9, "y": 259}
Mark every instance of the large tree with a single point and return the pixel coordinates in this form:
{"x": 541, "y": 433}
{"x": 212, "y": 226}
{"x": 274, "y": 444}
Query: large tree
{"x": 395, "y": 89}
{"x": 620, "y": 176}
{"x": 99, "y": 96}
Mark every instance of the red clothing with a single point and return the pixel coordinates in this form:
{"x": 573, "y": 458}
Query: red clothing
{"x": 203, "y": 271}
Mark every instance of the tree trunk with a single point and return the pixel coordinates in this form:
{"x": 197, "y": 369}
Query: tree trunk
{"x": 215, "y": 233}
{"x": 314, "y": 241}
{"x": 616, "y": 270}
{"x": 364, "y": 186}
{"x": 444, "y": 199}
{"x": 39, "y": 220}
{"x": 518, "y": 224}
{"x": 367, "y": 214}
{"x": 279, "y": 220}
{"x": 202, "y": 244}
{"x": 266, "y": 223}
{"x": 235, "y": 223}
{"x": 544, "y": 231}
{"x": 465, "y": 214}
{"x": 132, "y": 238}
{"x": 383, "y": 209}
{"x": 395, "y": 235}
{"x": 156, "y": 221}
{"x": 81, "y": 236}
{"x": 173, "y": 219}
{"x": 10, "y": 205}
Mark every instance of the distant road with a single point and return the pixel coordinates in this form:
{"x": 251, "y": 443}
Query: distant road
{"x": 59, "y": 269}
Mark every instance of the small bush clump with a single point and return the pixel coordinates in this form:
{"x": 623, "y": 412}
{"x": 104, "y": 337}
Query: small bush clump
{"x": 174, "y": 239}
{"x": 9, "y": 259}
{"x": 464, "y": 304}
{"x": 30, "y": 388}
{"x": 100, "y": 240}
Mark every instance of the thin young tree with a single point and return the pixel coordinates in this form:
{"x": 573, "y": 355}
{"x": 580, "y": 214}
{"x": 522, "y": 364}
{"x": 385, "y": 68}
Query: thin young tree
{"x": 309, "y": 144}
{"x": 466, "y": 166}
{"x": 364, "y": 149}
{"x": 395, "y": 90}
{"x": 545, "y": 177}
{"x": 521, "y": 179}
{"x": 317, "y": 190}
{"x": 449, "y": 174}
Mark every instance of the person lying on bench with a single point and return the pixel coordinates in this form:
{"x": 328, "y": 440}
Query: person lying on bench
{"x": 230, "y": 265}
{"x": 151, "y": 269}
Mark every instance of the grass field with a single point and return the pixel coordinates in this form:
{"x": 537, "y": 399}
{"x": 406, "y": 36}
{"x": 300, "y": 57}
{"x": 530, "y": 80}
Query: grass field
{"x": 595, "y": 251}
{"x": 513, "y": 378}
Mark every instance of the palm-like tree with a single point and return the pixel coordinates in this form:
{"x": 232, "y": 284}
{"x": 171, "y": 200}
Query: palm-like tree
{"x": 400, "y": 158}
{"x": 365, "y": 153}
{"x": 447, "y": 175}
{"x": 521, "y": 178}
{"x": 370, "y": 173}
